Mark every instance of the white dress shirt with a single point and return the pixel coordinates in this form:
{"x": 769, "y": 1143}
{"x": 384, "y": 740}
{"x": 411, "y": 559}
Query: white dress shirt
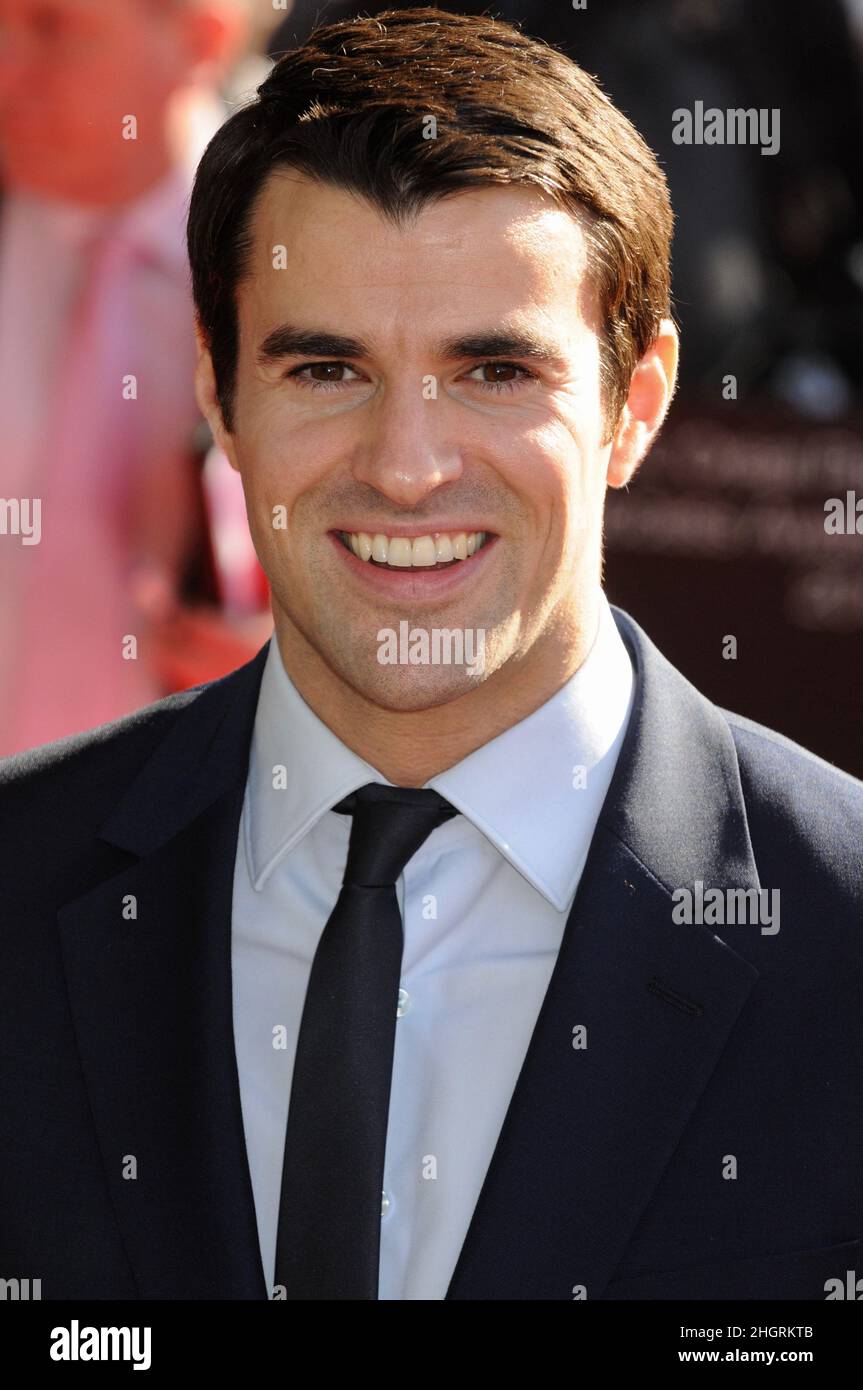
{"x": 484, "y": 904}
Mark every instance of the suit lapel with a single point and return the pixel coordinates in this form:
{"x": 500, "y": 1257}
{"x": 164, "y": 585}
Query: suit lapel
{"x": 589, "y": 1131}
{"x": 151, "y": 1003}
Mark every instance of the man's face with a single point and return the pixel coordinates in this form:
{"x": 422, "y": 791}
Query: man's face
{"x": 71, "y": 72}
{"x": 410, "y": 436}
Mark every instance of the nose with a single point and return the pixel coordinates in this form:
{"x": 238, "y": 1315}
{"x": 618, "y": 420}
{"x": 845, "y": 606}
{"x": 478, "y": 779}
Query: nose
{"x": 405, "y": 452}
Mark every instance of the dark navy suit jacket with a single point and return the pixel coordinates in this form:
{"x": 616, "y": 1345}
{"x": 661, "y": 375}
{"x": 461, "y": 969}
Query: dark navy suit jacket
{"x": 706, "y": 1143}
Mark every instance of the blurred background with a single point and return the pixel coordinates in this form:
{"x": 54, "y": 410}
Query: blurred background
{"x": 742, "y": 524}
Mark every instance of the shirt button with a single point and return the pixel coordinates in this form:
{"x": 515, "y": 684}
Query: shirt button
{"x": 403, "y": 1004}
{"x": 385, "y": 1202}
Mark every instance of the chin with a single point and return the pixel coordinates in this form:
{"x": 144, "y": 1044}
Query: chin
{"x": 409, "y": 690}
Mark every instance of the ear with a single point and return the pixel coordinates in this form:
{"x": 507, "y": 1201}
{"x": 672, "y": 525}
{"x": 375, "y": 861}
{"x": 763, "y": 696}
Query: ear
{"x": 650, "y": 392}
{"x": 207, "y": 398}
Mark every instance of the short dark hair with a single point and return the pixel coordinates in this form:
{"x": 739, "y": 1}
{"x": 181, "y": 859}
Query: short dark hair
{"x": 349, "y": 108}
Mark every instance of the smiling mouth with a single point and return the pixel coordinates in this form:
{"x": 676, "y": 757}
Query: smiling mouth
{"x": 438, "y": 550}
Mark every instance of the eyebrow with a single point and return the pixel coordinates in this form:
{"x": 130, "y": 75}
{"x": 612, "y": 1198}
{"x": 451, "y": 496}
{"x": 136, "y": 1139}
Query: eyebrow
{"x": 289, "y": 341}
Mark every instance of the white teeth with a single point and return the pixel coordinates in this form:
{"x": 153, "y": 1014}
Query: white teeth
{"x": 399, "y": 552}
{"x": 423, "y": 552}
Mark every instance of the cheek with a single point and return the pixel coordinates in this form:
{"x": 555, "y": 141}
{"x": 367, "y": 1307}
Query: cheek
{"x": 288, "y": 452}
{"x": 279, "y": 486}
{"x": 556, "y": 470}
{"x": 566, "y": 491}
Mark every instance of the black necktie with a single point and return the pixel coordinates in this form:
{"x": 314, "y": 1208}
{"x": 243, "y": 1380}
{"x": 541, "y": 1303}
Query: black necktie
{"x": 328, "y": 1240}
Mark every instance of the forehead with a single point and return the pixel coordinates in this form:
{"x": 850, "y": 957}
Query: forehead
{"x": 481, "y": 251}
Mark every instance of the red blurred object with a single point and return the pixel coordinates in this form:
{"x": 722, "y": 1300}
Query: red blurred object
{"x": 223, "y": 615}
{"x": 200, "y": 644}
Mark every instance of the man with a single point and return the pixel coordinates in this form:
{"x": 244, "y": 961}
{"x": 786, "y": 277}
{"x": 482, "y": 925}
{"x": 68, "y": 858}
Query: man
{"x": 105, "y": 110}
{"x": 386, "y": 967}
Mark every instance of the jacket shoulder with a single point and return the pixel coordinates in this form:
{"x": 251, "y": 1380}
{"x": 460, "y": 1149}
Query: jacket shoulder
{"x": 779, "y": 758}
{"x": 799, "y": 803}
{"x": 76, "y": 765}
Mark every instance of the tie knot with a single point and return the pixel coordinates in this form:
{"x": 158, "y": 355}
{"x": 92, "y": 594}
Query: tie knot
{"x": 389, "y": 825}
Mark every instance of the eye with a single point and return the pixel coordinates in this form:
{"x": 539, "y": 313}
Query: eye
{"x": 329, "y": 375}
{"x": 522, "y": 375}
{"x": 327, "y": 382}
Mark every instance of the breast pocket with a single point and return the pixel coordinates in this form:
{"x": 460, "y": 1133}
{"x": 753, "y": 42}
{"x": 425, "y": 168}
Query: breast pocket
{"x": 797, "y": 1274}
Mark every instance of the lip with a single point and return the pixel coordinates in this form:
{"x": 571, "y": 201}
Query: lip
{"x": 440, "y": 527}
{"x": 415, "y": 584}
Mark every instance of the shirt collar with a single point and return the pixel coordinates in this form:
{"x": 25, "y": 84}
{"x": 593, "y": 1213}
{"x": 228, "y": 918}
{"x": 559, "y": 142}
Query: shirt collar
{"x": 522, "y": 790}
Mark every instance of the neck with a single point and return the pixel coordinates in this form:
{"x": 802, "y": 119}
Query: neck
{"x": 409, "y": 747}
